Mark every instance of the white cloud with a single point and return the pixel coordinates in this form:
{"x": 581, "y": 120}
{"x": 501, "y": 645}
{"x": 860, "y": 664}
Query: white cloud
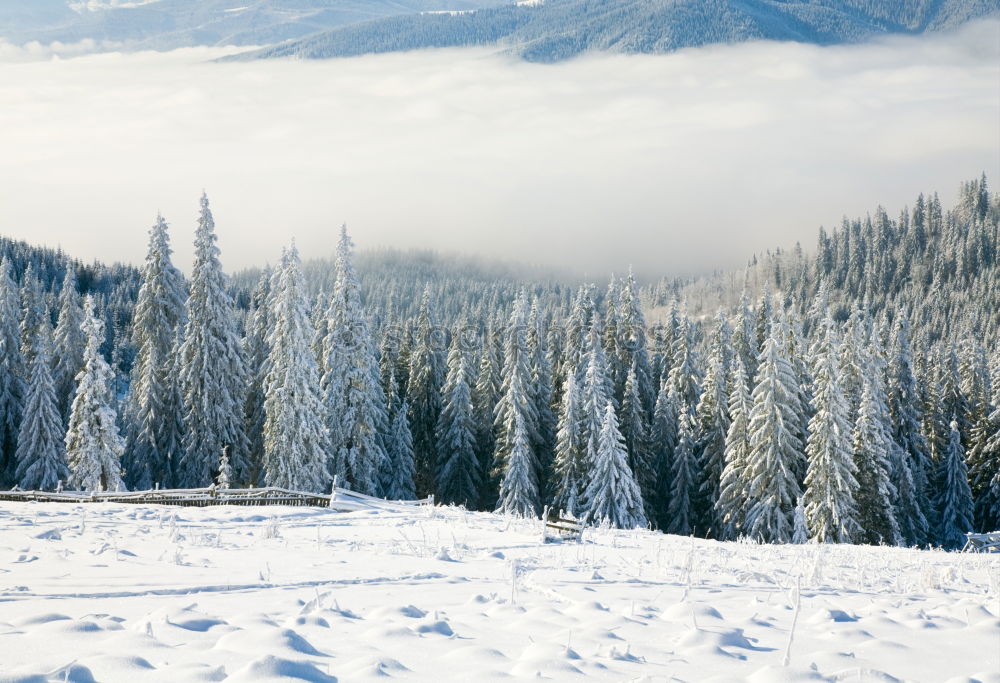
{"x": 672, "y": 163}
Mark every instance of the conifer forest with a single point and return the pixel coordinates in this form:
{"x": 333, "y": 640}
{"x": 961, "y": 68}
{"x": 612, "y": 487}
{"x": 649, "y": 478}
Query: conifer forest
{"x": 846, "y": 391}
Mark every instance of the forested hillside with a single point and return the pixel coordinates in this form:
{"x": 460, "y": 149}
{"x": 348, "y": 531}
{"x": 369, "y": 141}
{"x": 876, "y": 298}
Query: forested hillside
{"x": 851, "y": 394}
{"x": 171, "y": 24}
{"x": 538, "y": 30}
{"x": 552, "y": 30}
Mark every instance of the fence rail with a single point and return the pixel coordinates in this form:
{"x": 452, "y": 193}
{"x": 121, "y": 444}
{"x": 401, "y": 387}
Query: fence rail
{"x": 343, "y": 499}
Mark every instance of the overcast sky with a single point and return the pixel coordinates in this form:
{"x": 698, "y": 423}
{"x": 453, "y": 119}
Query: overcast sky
{"x": 671, "y": 163}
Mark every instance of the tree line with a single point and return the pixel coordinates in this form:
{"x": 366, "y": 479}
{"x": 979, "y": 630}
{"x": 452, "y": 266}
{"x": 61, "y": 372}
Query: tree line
{"x": 832, "y": 400}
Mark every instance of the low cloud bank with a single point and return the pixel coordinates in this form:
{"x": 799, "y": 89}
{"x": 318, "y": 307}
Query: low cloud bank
{"x": 673, "y": 163}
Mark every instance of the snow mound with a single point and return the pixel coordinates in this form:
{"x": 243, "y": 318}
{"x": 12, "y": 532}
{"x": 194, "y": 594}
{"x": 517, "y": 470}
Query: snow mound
{"x": 270, "y": 669}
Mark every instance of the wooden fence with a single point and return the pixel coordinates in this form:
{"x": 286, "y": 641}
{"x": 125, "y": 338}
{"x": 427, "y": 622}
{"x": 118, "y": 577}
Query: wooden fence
{"x": 340, "y": 499}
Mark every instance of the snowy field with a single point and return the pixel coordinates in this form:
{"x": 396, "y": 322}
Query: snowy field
{"x": 146, "y": 593}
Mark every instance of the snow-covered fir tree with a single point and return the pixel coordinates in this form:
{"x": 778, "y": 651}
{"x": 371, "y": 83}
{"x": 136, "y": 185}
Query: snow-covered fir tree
{"x": 295, "y": 433}
{"x": 485, "y": 399}
{"x": 872, "y": 447}
{"x": 398, "y": 475}
{"x": 684, "y": 376}
{"x": 830, "y": 483}
{"x": 634, "y": 425}
{"x": 729, "y": 507}
{"x": 94, "y": 446}
{"x": 954, "y": 500}
{"x": 34, "y": 313}
{"x": 423, "y": 393}
{"x": 613, "y": 495}
{"x": 541, "y": 389}
{"x": 663, "y": 442}
{"x": 515, "y": 412}
{"x": 800, "y": 527}
{"x": 212, "y": 369}
{"x": 159, "y": 310}
{"x": 518, "y": 486}
{"x": 683, "y": 478}
{"x": 745, "y": 338}
{"x": 12, "y": 372}
{"x": 770, "y": 481}
{"x": 712, "y": 424}
{"x": 68, "y": 344}
{"x": 911, "y": 475}
{"x": 40, "y": 455}
{"x": 257, "y": 351}
{"x": 352, "y": 386}
{"x": 634, "y": 334}
{"x": 571, "y": 466}
{"x": 459, "y": 477}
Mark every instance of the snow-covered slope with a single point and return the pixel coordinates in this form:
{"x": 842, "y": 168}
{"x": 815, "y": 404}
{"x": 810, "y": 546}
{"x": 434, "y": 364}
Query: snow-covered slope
{"x": 137, "y": 593}
{"x": 560, "y": 29}
{"x": 168, "y": 24}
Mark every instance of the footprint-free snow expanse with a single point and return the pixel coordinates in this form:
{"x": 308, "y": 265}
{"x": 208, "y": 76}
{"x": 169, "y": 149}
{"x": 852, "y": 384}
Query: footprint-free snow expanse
{"x": 145, "y": 593}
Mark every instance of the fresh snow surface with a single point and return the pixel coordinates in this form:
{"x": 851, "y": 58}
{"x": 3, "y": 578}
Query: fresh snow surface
{"x": 147, "y": 593}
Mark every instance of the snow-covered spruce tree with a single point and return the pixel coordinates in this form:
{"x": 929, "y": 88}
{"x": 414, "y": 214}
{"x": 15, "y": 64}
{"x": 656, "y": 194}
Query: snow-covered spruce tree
{"x": 172, "y": 425}
{"x": 352, "y": 383}
{"x": 830, "y": 484}
{"x": 423, "y": 393}
{"x": 571, "y": 451}
{"x": 730, "y": 507}
{"x": 612, "y": 338}
{"x": 771, "y": 485}
{"x": 518, "y": 487}
{"x": 684, "y": 376}
{"x": 295, "y": 436}
{"x": 954, "y": 500}
{"x": 541, "y": 390}
{"x": 159, "y": 310}
{"x": 663, "y": 344}
{"x": 992, "y": 449}
{"x": 459, "y": 477}
{"x": 984, "y": 465}
{"x": 517, "y": 407}
{"x": 68, "y": 344}
{"x": 912, "y": 508}
{"x": 257, "y": 351}
{"x": 764, "y": 317}
{"x": 398, "y": 474}
{"x": 684, "y": 478}
{"x": 597, "y": 388}
{"x": 853, "y": 362}
{"x": 556, "y": 363}
{"x": 634, "y": 425}
{"x": 797, "y": 356}
{"x": 485, "y": 399}
{"x": 212, "y": 369}
{"x": 663, "y": 441}
{"x": 952, "y": 401}
{"x": 40, "y": 455}
{"x": 634, "y": 333}
{"x": 597, "y": 392}
{"x": 93, "y": 445}
{"x": 34, "y": 313}
{"x": 745, "y": 338}
{"x": 712, "y": 424}
{"x": 872, "y": 447}
{"x": 12, "y": 372}
{"x": 613, "y": 495}
{"x": 800, "y": 527}
{"x": 578, "y": 327}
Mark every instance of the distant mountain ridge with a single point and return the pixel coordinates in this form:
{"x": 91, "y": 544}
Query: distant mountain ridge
{"x": 170, "y": 24}
{"x": 552, "y": 30}
{"x": 537, "y": 30}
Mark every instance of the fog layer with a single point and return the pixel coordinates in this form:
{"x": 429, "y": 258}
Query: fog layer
{"x": 671, "y": 163}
